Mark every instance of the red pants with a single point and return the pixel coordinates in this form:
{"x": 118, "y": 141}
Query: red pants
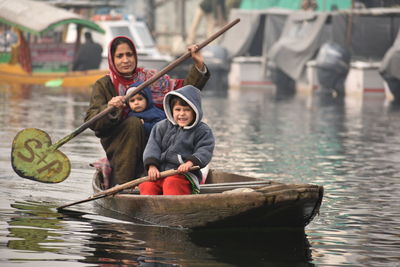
{"x": 171, "y": 185}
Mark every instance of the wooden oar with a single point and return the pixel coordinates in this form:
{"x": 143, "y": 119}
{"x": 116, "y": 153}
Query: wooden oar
{"x": 34, "y": 156}
{"x": 119, "y": 188}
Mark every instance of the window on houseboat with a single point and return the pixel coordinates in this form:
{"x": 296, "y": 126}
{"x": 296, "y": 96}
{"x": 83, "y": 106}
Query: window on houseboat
{"x": 145, "y": 35}
{"x": 121, "y": 31}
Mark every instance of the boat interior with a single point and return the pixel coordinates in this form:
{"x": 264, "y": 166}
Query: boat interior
{"x": 218, "y": 182}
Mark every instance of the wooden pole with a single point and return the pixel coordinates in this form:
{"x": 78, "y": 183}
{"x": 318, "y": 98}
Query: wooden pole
{"x": 118, "y": 188}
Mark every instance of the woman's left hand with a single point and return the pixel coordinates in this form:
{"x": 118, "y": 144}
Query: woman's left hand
{"x": 197, "y": 56}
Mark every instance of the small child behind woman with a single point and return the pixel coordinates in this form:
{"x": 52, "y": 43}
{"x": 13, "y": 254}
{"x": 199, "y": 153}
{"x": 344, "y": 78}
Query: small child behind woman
{"x": 141, "y": 106}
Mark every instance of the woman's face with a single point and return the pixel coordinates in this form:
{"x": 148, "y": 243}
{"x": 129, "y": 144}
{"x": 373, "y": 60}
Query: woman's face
{"x": 124, "y": 59}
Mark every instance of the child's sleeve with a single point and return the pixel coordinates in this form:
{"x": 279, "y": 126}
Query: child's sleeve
{"x": 152, "y": 152}
{"x": 204, "y": 147}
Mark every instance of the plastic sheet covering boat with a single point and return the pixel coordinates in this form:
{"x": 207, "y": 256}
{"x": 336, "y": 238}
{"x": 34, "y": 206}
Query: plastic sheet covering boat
{"x": 37, "y": 17}
{"x": 366, "y": 33}
{"x": 390, "y": 68}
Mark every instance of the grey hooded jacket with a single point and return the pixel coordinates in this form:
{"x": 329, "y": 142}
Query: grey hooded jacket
{"x": 170, "y": 145}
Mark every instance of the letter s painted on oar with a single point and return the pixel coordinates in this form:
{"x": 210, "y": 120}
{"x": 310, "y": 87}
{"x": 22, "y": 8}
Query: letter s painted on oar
{"x": 31, "y": 156}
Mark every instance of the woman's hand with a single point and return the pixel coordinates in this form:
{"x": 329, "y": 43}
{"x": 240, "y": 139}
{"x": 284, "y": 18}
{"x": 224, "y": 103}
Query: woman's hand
{"x": 197, "y": 56}
{"x": 185, "y": 167}
{"x": 116, "y": 101}
{"x": 153, "y": 172}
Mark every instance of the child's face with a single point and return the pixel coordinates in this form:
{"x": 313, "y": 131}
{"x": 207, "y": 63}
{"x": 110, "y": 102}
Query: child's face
{"x": 138, "y": 103}
{"x": 183, "y": 115}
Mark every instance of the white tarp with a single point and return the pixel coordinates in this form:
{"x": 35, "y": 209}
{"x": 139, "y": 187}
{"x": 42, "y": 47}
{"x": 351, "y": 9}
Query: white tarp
{"x": 390, "y": 64}
{"x": 300, "y": 40}
{"x": 256, "y": 31}
{"x": 36, "y": 17}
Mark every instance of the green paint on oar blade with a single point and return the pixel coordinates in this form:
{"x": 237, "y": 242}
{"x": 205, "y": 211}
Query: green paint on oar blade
{"x": 33, "y": 157}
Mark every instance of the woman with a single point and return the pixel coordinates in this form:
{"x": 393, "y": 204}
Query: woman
{"x": 123, "y": 138}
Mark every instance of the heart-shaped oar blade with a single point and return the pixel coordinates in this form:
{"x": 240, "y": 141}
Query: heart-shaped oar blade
{"x": 32, "y": 157}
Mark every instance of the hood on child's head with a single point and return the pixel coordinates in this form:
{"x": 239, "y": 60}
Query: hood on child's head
{"x": 146, "y": 92}
{"x": 190, "y": 95}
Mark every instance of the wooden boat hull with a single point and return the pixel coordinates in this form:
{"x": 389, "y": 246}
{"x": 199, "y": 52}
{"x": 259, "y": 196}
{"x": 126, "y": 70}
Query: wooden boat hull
{"x": 15, "y": 74}
{"x": 268, "y": 205}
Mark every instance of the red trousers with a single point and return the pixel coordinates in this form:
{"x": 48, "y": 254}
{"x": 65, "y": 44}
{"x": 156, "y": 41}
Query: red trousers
{"x": 171, "y": 185}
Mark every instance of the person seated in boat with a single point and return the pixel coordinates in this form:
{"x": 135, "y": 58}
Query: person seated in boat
{"x": 179, "y": 142}
{"x": 141, "y": 106}
{"x": 123, "y": 137}
{"x": 88, "y": 56}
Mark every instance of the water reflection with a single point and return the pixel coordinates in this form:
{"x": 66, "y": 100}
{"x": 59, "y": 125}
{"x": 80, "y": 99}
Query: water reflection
{"x": 161, "y": 246}
{"x": 257, "y": 247}
{"x": 236, "y": 246}
{"x": 33, "y": 226}
{"x": 97, "y": 240}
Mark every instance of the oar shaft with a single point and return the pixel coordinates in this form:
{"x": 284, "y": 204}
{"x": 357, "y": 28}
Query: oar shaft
{"x": 182, "y": 58}
{"x": 81, "y": 128}
{"x": 119, "y": 188}
{"x": 155, "y": 77}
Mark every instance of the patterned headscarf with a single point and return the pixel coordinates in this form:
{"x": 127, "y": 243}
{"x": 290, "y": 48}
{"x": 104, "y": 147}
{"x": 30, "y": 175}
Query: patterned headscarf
{"x": 121, "y": 82}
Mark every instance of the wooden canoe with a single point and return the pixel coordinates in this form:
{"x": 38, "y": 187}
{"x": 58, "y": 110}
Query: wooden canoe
{"x": 226, "y": 200}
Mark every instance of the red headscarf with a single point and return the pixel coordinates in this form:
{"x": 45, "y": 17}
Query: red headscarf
{"x": 122, "y": 82}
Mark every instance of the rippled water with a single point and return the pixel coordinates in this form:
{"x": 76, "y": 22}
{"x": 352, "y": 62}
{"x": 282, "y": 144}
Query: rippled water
{"x": 351, "y": 148}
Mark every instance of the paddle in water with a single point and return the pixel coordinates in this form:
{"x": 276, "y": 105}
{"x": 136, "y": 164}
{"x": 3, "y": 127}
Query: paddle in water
{"x": 33, "y": 156}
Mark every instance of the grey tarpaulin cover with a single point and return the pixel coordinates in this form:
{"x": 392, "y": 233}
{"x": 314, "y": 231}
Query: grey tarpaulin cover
{"x": 274, "y": 24}
{"x": 302, "y": 36}
{"x": 238, "y": 39}
{"x": 390, "y": 65}
{"x": 369, "y": 36}
{"x": 291, "y": 38}
{"x": 371, "y": 33}
{"x": 256, "y": 32}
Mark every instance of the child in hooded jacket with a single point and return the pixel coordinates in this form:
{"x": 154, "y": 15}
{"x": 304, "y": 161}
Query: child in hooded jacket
{"x": 178, "y": 142}
{"x": 141, "y": 106}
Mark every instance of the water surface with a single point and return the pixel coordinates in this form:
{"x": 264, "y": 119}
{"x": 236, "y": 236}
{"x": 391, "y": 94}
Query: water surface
{"x": 352, "y": 148}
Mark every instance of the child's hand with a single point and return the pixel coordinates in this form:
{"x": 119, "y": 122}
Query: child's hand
{"x": 185, "y": 167}
{"x": 154, "y": 173}
{"x": 142, "y": 121}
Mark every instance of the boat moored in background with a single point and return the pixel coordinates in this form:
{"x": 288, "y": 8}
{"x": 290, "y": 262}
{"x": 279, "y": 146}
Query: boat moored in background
{"x": 39, "y": 54}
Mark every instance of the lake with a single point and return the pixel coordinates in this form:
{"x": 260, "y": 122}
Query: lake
{"x": 350, "y": 147}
